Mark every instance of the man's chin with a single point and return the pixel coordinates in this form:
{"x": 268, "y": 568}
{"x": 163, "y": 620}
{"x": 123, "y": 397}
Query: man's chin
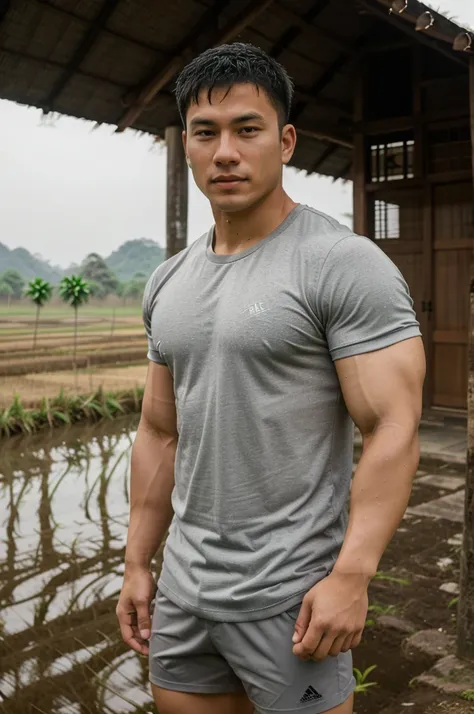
{"x": 233, "y": 204}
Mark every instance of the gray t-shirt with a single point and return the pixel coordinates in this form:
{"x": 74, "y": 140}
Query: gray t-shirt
{"x": 264, "y": 457}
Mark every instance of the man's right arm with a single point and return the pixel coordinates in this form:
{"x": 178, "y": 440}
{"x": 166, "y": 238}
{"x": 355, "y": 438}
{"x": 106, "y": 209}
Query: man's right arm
{"x": 152, "y": 481}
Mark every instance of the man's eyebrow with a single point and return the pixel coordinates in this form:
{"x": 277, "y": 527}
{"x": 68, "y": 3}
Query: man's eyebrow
{"x": 202, "y": 122}
{"x": 250, "y": 116}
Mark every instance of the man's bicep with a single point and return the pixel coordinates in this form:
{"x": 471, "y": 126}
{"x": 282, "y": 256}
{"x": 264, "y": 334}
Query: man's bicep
{"x": 159, "y": 405}
{"x": 385, "y": 385}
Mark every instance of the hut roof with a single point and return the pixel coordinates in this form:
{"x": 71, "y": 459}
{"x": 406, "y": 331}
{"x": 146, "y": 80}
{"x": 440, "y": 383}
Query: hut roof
{"x": 114, "y": 61}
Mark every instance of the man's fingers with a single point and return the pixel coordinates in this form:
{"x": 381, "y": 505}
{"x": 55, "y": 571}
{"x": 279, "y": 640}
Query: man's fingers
{"x": 347, "y": 645}
{"x": 337, "y": 645}
{"x": 324, "y": 646}
{"x": 143, "y": 618}
{"x": 310, "y": 641}
{"x": 130, "y": 633}
{"x": 131, "y": 639}
{"x": 302, "y": 622}
{"x": 356, "y": 639}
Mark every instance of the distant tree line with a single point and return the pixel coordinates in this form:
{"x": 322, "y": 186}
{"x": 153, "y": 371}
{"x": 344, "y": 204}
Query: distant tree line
{"x": 101, "y": 281}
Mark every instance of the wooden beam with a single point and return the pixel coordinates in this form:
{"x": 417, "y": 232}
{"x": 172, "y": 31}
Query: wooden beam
{"x": 4, "y": 8}
{"x": 397, "y": 20}
{"x": 292, "y": 18}
{"x": 321, "y": 83}
{"x": 326, "y": 133}
{"x": 295, "y": 30}
{"x": 59, "y": 65}
{"x": 328, "y": 151}
{"x": 331, "y": 104}
{"x": 360, "y": 172}
{"x": 82, "y": 50}
{"x": 60, "y": 11}
{"x": 177, "y": 62}
{"x": 385, "y": 126}
{"x": 344, "y": 171}
{"x": 176, "y": 192}
{"x": 410, "y": 16}
{"x": 465, "y": 618}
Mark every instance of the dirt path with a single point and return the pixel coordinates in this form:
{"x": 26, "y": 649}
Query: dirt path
{"x": 32, "y": 387}
{"x": 422, "y": 557}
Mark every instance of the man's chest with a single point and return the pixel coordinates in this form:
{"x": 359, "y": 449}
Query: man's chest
{"x": 228, "y": 310}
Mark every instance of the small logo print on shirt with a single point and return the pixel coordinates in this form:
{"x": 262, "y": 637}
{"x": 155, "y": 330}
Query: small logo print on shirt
{"x": 311, "y": 695}
{"x": 255, "y": 309}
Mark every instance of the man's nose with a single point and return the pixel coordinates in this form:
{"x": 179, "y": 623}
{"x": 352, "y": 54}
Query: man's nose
{"x": 226, "y": 152}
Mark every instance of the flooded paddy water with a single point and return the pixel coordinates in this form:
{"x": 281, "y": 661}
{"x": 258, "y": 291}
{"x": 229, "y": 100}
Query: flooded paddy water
{"x": 64, "y": 512}
{"x": 64, "y": 498}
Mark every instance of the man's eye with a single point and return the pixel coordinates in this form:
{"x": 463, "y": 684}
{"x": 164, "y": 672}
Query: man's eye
{"x": 205, "y": 132}
{"x": 249, "y": 130}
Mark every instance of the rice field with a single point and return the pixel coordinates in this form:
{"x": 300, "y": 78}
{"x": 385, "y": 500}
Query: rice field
{"x": 111, "y": 351}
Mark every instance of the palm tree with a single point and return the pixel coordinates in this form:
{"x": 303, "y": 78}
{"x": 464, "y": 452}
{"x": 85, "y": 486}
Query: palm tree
{"x": 75, "y": 292}
{"x": 40, "y": 293}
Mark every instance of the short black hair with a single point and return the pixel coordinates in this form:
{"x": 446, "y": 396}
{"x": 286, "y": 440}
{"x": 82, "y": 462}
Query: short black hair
{"x": 236, "y": 63}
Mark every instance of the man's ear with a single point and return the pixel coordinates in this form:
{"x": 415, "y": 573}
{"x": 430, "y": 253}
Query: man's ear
{"x": 185, "y": 143}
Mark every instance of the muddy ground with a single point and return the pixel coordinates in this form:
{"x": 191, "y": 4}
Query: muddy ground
{"x": 65, "y": 500}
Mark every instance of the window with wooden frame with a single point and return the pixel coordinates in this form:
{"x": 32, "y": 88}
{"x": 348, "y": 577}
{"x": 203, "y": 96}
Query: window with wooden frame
{"x": 391, "y": 160}
{"x": 396, "y": 215}
{"x": 386, "y": 220}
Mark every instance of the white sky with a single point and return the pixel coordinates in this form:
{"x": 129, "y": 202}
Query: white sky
{"x": 67, "y": 191}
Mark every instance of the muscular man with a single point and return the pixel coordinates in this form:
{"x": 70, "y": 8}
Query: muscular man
{"x": 268, "y": 337}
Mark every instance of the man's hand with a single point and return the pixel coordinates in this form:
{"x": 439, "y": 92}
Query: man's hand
{"x": 133, "y": 609}
{"x": 332, "y": 616}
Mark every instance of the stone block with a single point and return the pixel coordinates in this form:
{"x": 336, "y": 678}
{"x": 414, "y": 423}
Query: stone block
{"x": 449, "y": 675}
{"x": 432, "y": 643}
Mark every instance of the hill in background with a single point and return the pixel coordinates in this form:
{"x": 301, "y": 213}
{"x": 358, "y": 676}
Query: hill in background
{"x": 135, "y": 256}
{"x": 28, "y": 265}
{"x": 141, "y": 255}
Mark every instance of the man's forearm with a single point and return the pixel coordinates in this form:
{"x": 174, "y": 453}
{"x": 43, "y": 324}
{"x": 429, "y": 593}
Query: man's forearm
{"x": 152, "y": 481}
{"x": 380, "y": 493}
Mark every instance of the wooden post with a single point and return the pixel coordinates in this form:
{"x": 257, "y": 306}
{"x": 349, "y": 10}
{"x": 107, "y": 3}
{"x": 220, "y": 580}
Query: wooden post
{"x": 176, "y": 193}
{"x": 360, "y": 204}
{"x": 465, "y": 621}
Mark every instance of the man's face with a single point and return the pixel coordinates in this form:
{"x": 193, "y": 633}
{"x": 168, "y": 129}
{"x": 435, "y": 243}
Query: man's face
{"x": 235, "y": 146}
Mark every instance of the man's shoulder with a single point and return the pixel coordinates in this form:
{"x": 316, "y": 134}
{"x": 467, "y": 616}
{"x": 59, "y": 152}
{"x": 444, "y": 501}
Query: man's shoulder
{"x": 326, "y": 235}
{"x": 318, "y": 232}
{"x": 162, "y": 274}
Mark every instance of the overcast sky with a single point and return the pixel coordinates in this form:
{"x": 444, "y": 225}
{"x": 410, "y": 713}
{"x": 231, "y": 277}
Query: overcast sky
{"x": 66, "y": 190}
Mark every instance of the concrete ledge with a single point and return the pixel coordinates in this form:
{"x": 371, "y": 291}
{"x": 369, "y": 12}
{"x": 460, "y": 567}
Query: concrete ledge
{"x": 450, "y": 675}
{"x": 431, "y": 643}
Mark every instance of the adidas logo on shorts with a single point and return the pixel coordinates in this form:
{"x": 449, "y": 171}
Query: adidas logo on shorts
{"x": 311, "y": 695}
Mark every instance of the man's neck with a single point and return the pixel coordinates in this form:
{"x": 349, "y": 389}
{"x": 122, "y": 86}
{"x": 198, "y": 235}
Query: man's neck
{"x": 240, "y": 230}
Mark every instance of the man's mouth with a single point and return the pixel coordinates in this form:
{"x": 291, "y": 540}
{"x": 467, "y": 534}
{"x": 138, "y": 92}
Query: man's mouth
{"x": 228, "y": 181}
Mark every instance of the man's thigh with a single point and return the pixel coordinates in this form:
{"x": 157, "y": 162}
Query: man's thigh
{"x": 275, "y": 680}
{"x": 221, "y": 667}
{"x": 186, "y": 670}
{"x": 169, "y": 702}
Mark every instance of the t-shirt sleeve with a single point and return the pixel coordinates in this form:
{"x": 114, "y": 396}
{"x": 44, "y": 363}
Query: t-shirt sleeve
{"x": 154, "y": 353}
{"x": 363, "y": 299}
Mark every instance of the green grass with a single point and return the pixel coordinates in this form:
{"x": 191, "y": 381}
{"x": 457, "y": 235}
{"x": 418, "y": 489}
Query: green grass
{"x": 65, "y": 409}
{"x": 468, "y": 695}
{"x": 12, "y": 333}
{"x": 362, "y": 686}
{"x": 381, "y": 609}
{"x": 379, "y": 575}
{"x": 53, "y": 312}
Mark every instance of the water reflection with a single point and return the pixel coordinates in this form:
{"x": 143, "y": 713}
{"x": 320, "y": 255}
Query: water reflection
{"x": 63, "y": 518}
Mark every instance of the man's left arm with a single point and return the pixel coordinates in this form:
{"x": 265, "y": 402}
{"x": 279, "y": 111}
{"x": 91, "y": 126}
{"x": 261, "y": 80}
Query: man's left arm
{"x": 383, "y": 394}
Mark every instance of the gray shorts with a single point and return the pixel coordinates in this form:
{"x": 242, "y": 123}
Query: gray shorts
{"x": 190, "y": 654}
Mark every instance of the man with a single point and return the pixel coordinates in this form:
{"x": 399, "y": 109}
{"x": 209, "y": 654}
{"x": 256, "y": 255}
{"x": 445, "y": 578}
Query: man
{"x": 265, "y": 337}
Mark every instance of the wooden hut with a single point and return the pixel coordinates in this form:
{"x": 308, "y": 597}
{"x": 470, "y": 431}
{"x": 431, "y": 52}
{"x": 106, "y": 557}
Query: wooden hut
{"x": 382, "y": 97}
